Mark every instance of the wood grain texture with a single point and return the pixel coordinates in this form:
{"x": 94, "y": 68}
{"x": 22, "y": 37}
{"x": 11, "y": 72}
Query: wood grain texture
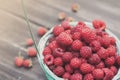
{"x": 14, "y": 31}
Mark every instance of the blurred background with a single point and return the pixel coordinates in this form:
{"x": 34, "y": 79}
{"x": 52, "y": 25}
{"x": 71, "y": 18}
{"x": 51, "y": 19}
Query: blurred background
{"x": 44, "y": 13}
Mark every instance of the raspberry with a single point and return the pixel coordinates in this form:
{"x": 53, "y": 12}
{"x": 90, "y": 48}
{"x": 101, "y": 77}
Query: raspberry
{"x": 110, "y": 61}
{"x": 42, "y": 31}
{"x": 32, "y": 52}
{"x": 27, "y": 63}
{"x": 76, "y": 45}
{"x": 85, "y": 52}
{"x": 112, "y": 40}
{"x": 118, "y": 60}
{"x": 105, "y": 41}
{"x": 19, "y": 61}
{"x": 95, "y": 45}
{"x": 58, "y": 61}
{"x": 111, "y": 50}
{"x": 102, "y": 53}
{"x": 75, "y": 7}
{"x": 83, "y": 60}
{"x": 67, "y": 31}
{"x": 76, "y": 35}
{"x": 98, "y": 73}
{"x": 113, "y": 69}
{"x": 76, "y": 76}
{"x": 46, "y": 51}
{"x": 57, "y": 30}
{"x": 61, "y": 16}
{"x": 66, "y": 75}
{"x": 48, "y": 59}
{"x": 88, "y": 77}
{"x": 58, "y": 52}
{"x": 101, "y": 33}
{"x": 53, "y": 45}
{"x": 76, "y": 54}
{"x": 75, "y": 63}
{"x": 94, "y": 59}
{"x": 99, "y": 24}
{"x": 85, "y": 68}
{"x": 100, "y": 65}
{"x": 59, "y": 71}
{"x": 65, "y": 25}
{"x": 67, "y": 56}
{"x": 29, "y": 42}
{"x": 64, "y": 39}
{"x": 68, "y": 68}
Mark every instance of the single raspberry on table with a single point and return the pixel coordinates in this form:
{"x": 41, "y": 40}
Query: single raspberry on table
{"x": 32, "y": 52}
{"x": 68, "y": 68}
{"x": 114, "y": 69}
{"x": 85, "y": 68}
{"x": 76, "y": 76}
{"x": 118, "y": 60}
{"x": 29, "y": 42}
{"x": 88, "y": 77}
{"x": 48, "y": 59}
{"x": 100, "y": 65}
{"x": 76, "y": 35}
{"x": 42, "y": 31}
{"x": 46, "y": 51}
{"x": 66, "y": 75}
{"x": 27, "y": 63}
{"x": 66, "y": 57}
{"x": 111, "y": 50}
{"x": 58, "y": 52}
{"x": 61, "y": 16}
{"x": 85, "y": 52}
{"x": 57, "y": 30}
{"x": 98, "y": 74}
{"x": 59, "y": 71}
{"x": 65, "y": 24}
{"x": 19, "y": 61}
{"x": 95, "y": 45}
{"x": 58, "y": 61}
{"x": 76, "y": 45}
{"x": 53, "y": 45}
{"x": 75, "y": 63}
{"x": 110, "y": 61}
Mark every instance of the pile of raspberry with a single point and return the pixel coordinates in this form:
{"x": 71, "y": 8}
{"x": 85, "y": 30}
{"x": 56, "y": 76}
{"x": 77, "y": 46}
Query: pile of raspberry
{"x": 81, "y": 53}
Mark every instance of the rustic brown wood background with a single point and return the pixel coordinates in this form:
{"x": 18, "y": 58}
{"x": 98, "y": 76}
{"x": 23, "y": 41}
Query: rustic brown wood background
{"x": 14, "y": 31}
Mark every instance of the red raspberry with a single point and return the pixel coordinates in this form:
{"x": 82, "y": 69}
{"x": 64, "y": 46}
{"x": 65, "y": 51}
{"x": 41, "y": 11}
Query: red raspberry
{"x": 95, "y": 45}
{"x": 59, "y": 71}
{"x": 68, "y": 68}
{"x": 85, "y": 68}
{"x": 101, "y": 33}
{"x": 67, "y": 31}
{"x": 114, "y": 69}
{"x": 76, "y": 35}
{"x": 100, "y": 65}
{"x": 110, "y": 61}
{"x": 67, "y": 56}
{"x": 53, "y": 45}
{"x": 83, "y": 60}
{"x": 88, "y": 77}
{"x": 76, "y": 45}
{"x": 94, "y": 59}
{"x": 27, "y": 63}
{"x": 19, "y": 61}
{"x": 112, "y": 40}
{"x": 46, "y": 51}
{"x": 66, "y": 25}
{"x": 32, "y": 52}
{"x": 85, "y": 52}
{"x": 118, "y": 60}
{"x": 98, "y": 73}
{"x": 29, "y": 42}
{"x": 42, "y": 31}
{"x": 76, "y": 76}
{"x": 66, "y": 76}
{"x": 58, "y": 61}
{"x": 99, "y": 24}
{"x": 64, "y": 39}
{"x": 75, "y": 63}
{"x": 58, "y": 52}
{"x": 105, "y": 41}
{"x": 48, "y": 59}
{"x": 57, "y": 30}
{"x": 102, "y": 53}
{"x": 111, "y": 50}
{"x": 76, "y": 54}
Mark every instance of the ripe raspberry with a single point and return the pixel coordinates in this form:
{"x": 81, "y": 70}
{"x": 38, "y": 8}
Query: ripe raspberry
{"x": 76, "y": 45}
{"x": 29, "y": 42}
{"x": 101, "y": 33}
{"x": 64, "y": 39}
{"x": 76, "y": 54}
{"x": 57, "y": 30}
{"x": 95, "y": 45}
{"x": 68, "y": 68}
{"x": 32, "y": 52}
{"x": 75, "y": 63}
{"x": 105, "y": 41}
{"x": 59, "y": 71}
{"x": 66, "y": 76}
{"x": 58, "y": 52}
{"x": 61, "y": 16}
{"x": 118, "y": 60}
{"x": 47, "y": 51}
{"x": 98, "y": 73}
{"x": 99, "y": 24}
{"x": 48, "y": 59}
{"x": 65, "y": 24}
{"x": 88, "y": 77}
{"x": 111, "y": 50}
{"x": 110, "y": 61}
{"x": 102, "y": 53}
{"x": 76, "y": 76}
{"x": 27, "y": 63}
{"x": 76, "y": 35}
{"x": 42, "y": 31}
{"x": 94, "y": 59}
{"x": 112, "y": 40}
{"x": 67, "y": 56}
{"x": 58, "y": 61}
{"x": 114, "y": 69}
{"x": 100, "y": 65}
{"x": 83, "y": 60}
{"x": 19, "y": 61}
{"x": 53, "y": 45}
{"x": 85, "y": 68}
{"x": 75, "y": 7}
{"x": 85, "y": 52}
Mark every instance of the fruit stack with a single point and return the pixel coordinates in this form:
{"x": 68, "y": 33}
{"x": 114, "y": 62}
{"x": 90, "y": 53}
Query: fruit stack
{"x": 81, "y": 53}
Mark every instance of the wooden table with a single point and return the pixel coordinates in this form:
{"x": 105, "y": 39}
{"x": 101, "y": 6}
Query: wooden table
{"x": 14, "y": 31}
